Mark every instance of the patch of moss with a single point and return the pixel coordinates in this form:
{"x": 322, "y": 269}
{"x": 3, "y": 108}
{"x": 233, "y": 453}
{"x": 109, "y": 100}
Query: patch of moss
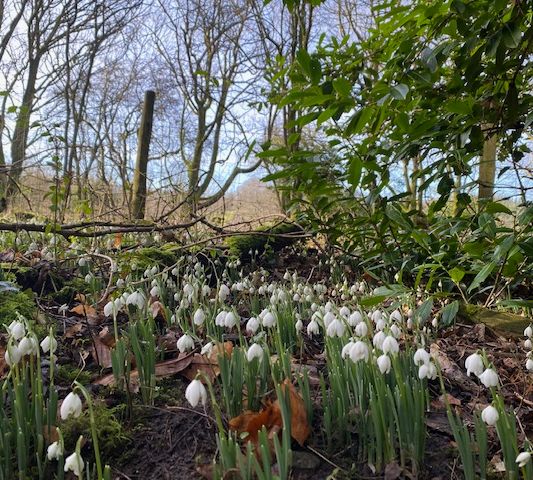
{"x": 66, "y": 374}
{"x": 13, "y": 302}
{"x": 240, "y": 246}
{"x": 166, "y": 254}
{"x": 112, "y": 435}
{"x": 69, "y": 291}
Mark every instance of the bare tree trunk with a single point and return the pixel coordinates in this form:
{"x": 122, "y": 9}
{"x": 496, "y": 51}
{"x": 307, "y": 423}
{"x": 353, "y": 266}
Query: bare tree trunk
{"x": 487, "y": 168}
{"x": 141, "y": 164}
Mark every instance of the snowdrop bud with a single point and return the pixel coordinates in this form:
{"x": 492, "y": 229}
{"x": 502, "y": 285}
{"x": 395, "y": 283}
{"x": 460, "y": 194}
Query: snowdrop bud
{"x": 474, "y": 364}
{"x": 299, "y": 325}
{"x": 528, "y": 332}
{"x": 255, "y": 351}
{"x": 252, "y": 325}
{"x": 490, "y": 415}
{"x": 12, "y": 355}
{"x": 335, "y": 328}
{"x": 359, "y": 351}
{"x": 269, "y": 320}
{"x": 71, "y": 406}
{"x": 355, "y": 318}
{"x": 49, "y": 344}
{"x": 489, "y": 378}
{"x": 523, "y": 459}
{"x": 223, "y": 292}
{"x": 421, "y": 357}
{"x": 195, "y": 393}
{"x": 395, "y": 331}
{"x": 16, "y": 329}
{"x": 381, "y": 324}
{"x": 378, "y": 340}
{"x": 384, "y": 364}
{"x": 345, "y": 353}
{"x": 184, "y": 343}
{"x": 75, "y": 464}
{"x": 230, "y": 320}
{"x": 199, "y": 317}
{"x": 390, "y": 345}
{"x": 529, "y": 365}
{"x": 396, "y": 316}
{"x": 287, "y": 276}
{"x": 26, "y": 347}
{"x": 313, "y": 328}
{"x": 207, "y": 349}
{"x": 54, "y": 451}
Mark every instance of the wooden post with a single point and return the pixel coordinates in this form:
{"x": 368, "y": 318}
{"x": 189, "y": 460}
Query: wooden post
{"x": 141, "y": 163}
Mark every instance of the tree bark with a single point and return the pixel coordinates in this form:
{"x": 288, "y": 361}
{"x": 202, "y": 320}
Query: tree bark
{"x": 141, "y": 165}
{"x": 487, "y": 168}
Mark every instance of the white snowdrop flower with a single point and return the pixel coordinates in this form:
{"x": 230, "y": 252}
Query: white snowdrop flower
{"x": 528, "y": 332}
{"x": 153, "y": 283}
{"x": 175, "y": 271}
{"x": 528, "y": 344}
{"x": 54, "y": 451}
{"x": 299, "y": 325}
{"x": 489, "y": 378}
{"x": 529, "y": 364}
{"x": 384, "y": 363}
{"x": 423, "y": 371}
{"x": 474, "y": 364}
{"x": 345, "y": 353}
{"x": 16, "y": 330}
{"x": 395, "y": 331}
{"x": 220, "y": 319}
{"x": 409, "y": 324}
{"x": 361, "y": 329}
{"x": 188, "y": 290}
{"x": 108, "y": 308}
{"x": 82, "y": 262}
{"x": 410, "y": 313}
{"x": 376, "y": 316}
{"x": 335, "y": 328}
{"x": 261, "y": 290}
{"x": 223, "y": 292}
{"x": 231, "y": 320}
{"x": 154, "y": 270}
{"x": 396, "y": 316}
{"x": 26, "y": 347}
{"x": 255, "y": 351}
{"x": 252, "y": 325}
{"x": 328, "y": 307}
{"x": 154, "y": 292}
{"x": 269, "y": 320}
{"x": 199, "y": 317}
{"x": 49, "y": 344}
{"x": 206, "y": 291}
{"x": 390, "y": 345}
{"x": 12, "y": 355}
{"x": 184, "y": 343}
{"x": 314, "y": 307}
{"x": 421, "y": 357}
{"x": 523, "y": 459}
{"x": 381, "y": 324}
{"x": 313, "y": 328}
{"x": 287, "y": 276}
{"x": 207, "y": 349}
{"x": 137, "y": 299}
{"x": 89, "y": 278}
{"x": 378, "y": 339}
{"x": 195, "y": 393}
{"x": 296, "y": 297}
{"x": 328, "y": 318}
{"x": 282, "y": 296}
{"x": 435, "y": 322}
{"x": 359, "y": 351}
{"x": 334, "y": 293}
{"x": 71, "y": 406}
{"x": 75, "y": 464}
{"x": 490, "y": 415}
{"x": 344, "y": 312}
{"x": 355, "y": 318}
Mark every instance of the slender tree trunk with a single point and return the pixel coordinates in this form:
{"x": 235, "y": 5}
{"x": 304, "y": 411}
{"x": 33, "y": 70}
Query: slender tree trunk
{"x": 141, "y": 165}
{"x": 487, "y": 168}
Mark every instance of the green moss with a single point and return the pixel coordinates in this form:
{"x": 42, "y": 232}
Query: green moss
{"x": 13, "y": 302}
{"x": 167, "y": 254}
{"x": 66, "y": 374}
{"x": 69, "y": 291}
{"x": 112, "y": 435}
{"x": 497, "y": 319}
{"x": 241, "y": 245}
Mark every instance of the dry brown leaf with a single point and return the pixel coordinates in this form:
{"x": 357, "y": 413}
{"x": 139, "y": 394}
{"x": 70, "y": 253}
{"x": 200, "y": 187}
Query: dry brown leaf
{"x": 208, "y": 366}
{"x": 50, "y": 435}
{"x": 73, "y": 330}
{"x": 101, "y": 348}
{"x": 300, "y": 429}
{"x": 3, "y": 365}
{"x": 117, "y": 243}
{"x": 158, "y": 311}
{"x": 86, "y": 310}
{"x": 392, "y": 471}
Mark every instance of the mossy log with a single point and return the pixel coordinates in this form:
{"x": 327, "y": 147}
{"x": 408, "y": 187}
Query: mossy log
{"x": 499, "y": 320}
